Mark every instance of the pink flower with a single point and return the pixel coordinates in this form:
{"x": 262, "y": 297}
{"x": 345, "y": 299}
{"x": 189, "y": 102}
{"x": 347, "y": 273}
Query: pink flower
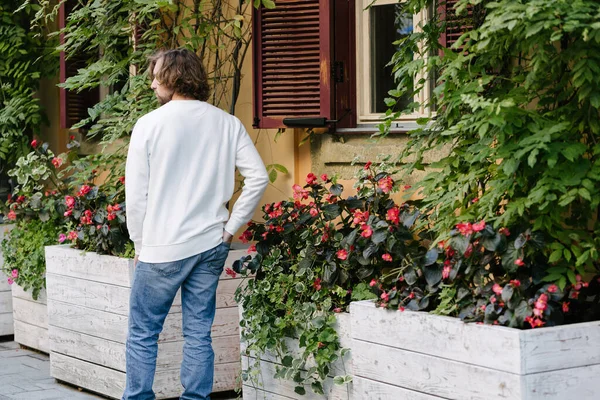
{"x": 475, "y": 200}
{"x": 519, "y": 262}
{"x": 360, "y": 217}
{"x": 542, "y": 302}
{"x": 393, "y": 215}
{"x": 401, "y": 309}
{"x": 386, "y": 184}
{"x": 299, "y": 192}
{"x": 446, "y": 271}
{"x": 565, "y": 306}
{"x": 68, "y": 213}
{"x": 534, "y": 322}
{"x": 252, "y": 249}
{"x": 70, "y": 201}
{"x": 385, "y": 297}
{"x": 337, "y": 310}
{"x": 324, "y": 177}
{"x": 465, "y": 228}
{"x": 314, "y": 212}
{"x": 34, "y": 143}
{"x": 367, "y": 231}
{"x": 331, "y": 198}
{"x": 230, "y": 272}
{"x": 497, "y": 289}
{"x": 386, "y": 257}
{"x": 342, "y": 254}
{"x": 57, "y": 162}
{"x": 552, "y": 288}
{"x": 311, "y": 179}
{"x": 504, "y": 231}
{"x": 515, "y": 282}
{"x": 368, "y": 165}
{"x": 14, "y": 273}
{"x": 317, "y": 284}
{"x": 62, "y": 237}
{"x": 373, "y": 282}
{"x": 11, "y": 215}
{"x": 479, "y": 226}
{"x": 10, "y": 281}
{"x": 72, "y": 235}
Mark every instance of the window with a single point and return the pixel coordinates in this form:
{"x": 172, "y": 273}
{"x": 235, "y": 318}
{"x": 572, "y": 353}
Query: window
{"x": 323, "y": 63}
{"x": 73, "y": 105}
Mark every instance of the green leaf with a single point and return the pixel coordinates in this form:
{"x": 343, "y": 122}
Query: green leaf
{"x": 433, "y": 274}
{"x": 431, "y": 256}
{"x": 287, "y": 361}
{"x": 298, "y": 389}
{"x": 270, "y": 4}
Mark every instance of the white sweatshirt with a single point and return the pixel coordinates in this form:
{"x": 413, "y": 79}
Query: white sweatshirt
{"x": 181, "y": 173}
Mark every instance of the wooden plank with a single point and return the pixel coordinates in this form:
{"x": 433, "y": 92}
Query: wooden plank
{"x": 88, "y": 376}
{"x": 485, "y": 345}
{"x": 31, "y": 336}
{"x": 4, "y": 286}
{"x": 63, "y": 260}
{"x": 18, "y": 292}
{"x": 284, "y": 387}
{"x": 373, "y": 390}
{"x": 428, "y": 374}
{"x": 111, "y": 383}
{"x": 5, "y": 302}
{"x": 114, "y": 326}
{"x": 30, "y": 312}
{"x": 95, "y": 295}
{"x": 251, "y": 393}
{"x": 6, "y": 324}
{"x": 544, "y": 349}
{"x": 579, "y": 383}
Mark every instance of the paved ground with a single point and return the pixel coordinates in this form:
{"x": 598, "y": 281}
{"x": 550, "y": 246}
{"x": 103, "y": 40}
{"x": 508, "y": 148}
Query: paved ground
{"x": 25, "y": 375}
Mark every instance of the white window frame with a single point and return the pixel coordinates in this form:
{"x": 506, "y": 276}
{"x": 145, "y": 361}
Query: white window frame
{"x": 363, "y": 66}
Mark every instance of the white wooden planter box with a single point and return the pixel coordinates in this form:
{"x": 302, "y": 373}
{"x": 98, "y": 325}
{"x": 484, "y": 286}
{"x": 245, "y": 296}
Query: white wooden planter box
{"x": 88, "y": 305}
{"x": 6, "y": 308}
{"x": 30, "y": 319}
{"x": 419, "y": 356}
{"x": 280, "y": 389}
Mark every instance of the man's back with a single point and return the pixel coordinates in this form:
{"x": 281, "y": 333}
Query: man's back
{"x": 191, "y": 150}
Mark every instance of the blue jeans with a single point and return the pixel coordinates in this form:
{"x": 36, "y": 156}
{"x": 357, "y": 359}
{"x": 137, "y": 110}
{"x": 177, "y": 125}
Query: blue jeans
{"x": 152, "y": 293}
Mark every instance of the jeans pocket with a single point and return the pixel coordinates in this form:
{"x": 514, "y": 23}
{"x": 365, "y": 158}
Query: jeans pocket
{"x": 165, "y": 269}
{"x": 217, "y": 262}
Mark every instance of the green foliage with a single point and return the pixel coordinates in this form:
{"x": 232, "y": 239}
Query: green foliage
{"x": 23, "y": 249}
{"x": 26, "y": 58}
{"x": 517, "y": 116}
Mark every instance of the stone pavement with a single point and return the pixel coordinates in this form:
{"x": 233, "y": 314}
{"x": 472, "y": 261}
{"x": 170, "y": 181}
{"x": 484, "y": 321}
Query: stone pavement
{"x": 25, "y": 375}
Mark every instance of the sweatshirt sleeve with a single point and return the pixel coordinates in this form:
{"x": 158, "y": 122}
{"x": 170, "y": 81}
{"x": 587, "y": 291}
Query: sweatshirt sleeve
{"x": 250, "y": 165}
{"x": 137, "y": 174}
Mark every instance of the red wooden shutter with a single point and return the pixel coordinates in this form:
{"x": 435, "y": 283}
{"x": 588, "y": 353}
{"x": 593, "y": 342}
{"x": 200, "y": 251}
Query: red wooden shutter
{"x": 73, "y": 105}
{"x": 292, "y": 62}
{"x": 456, "y": 25}
{"x": 344, "y": 63}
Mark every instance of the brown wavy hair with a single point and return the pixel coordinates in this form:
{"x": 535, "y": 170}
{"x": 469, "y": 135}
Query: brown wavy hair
{"x": 182, "y": 71}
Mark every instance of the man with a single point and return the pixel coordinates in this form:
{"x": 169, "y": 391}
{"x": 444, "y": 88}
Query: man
{"x": 179, "y": 177}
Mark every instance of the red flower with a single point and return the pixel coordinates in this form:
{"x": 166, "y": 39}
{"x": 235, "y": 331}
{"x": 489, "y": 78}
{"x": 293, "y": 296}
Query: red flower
{"x": 337, "y": 310}
{"x": 475, "y": 200}
{"x": 57, "y": 162}
{"x": 387, "y": 257}
{"x": 246, "y": 236}
{"x": 342, "y": 254}
{"x": 311, "y": 179}
{"x": 122, "y": 180}
{"x": 469, "y": 251}
{"x": 534, "y": 322}
{"x": 565, "y": 306}
{"x": 504, "y": 231}
{"x": 465, "y": 228}
{"x": 552, "y": 288}
{"x": 393, "y": 215}
{"x": 34, "y": 143}
{"x": 497, "y": 289}
{"x": 401, "y": 308}
{"x": 21, "y": 199}
{"x": 317, "y": 284}
{"x": 86, "y": 219}
{"x": 324, "y": 177}
{"x": 331, "y": 198}
{"x": 251, "y": 249}
{"x": 230, "y": 272}
{"x": 373, "y": 282}
{"x": 11, "y": 215}
{"x": 385, "y": 297}
{"x": 360, "y": 217}
{"x": 446, "y": 271}
{"x": 368, "y": 165}
{"x": 72, "y": 235}
{"x": 111, "y": 216}
{"x": 314, "y": 212}
{"x": 68, "y": 213}
{"x": 367, "y": 231}
{"x": 479, "y": 226}
{"x": 72, "y": 137}
{"x": 519, "y": 262}
{"x": 85, "y": 189}
{"x": 406, "y": 187}
{"x": 70, "y": 201}
{"x": 515, "y": 282}
{"x": 386, "y": 184}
